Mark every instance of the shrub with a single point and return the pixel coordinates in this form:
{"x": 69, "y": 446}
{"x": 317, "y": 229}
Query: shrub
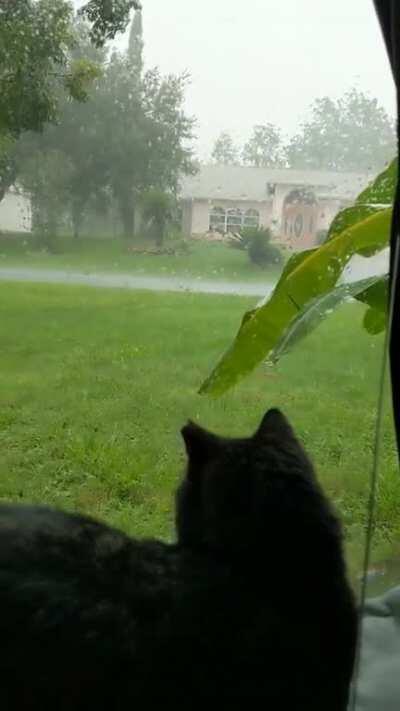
{"x": 157, "y": 212}
{"x": 259, "y": 247}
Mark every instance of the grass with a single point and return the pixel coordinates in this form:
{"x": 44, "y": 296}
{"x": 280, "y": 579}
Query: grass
{"x": 205, "y": 260}
{"x": 95, "y": 385}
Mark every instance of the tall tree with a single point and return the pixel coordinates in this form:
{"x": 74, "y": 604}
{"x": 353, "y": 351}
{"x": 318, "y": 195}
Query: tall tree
{"x": 225, "y": 152}
{"x": 264, "y": 147}
{"x": 37, "y": 68}
{"x": 70, "y": 147}
{"x": 108, "y": 17}
{"x": 135, "y": 46}
{"x": 143, "y": 129}
{"x": 353, "y": 133}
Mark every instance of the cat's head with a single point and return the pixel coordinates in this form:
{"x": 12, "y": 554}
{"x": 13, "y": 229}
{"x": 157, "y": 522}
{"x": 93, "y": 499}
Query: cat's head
{"x": 236, "y": 492}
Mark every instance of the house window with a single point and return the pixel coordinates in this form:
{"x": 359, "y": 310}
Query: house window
{"x": 252, "y": 218}
{"x": 234, "y": 220}
{"x": 311, "y": 224}
{"x": 217, "y": 219}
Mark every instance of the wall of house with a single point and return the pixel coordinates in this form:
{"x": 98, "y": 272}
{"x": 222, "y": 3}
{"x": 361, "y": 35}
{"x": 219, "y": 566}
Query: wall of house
{"x": 281, "y": 193}
{"x": 273, "y": 213}
{"x": 200, "y": 217}
{"x": 299, "y": 226}
{"x": 15, "y": 213}
{"x": 328, "y": 209}
{"x": 196, "y": 214}
{"x": 264, "y": 208}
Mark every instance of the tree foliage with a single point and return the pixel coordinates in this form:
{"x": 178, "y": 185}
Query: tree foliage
{"x": 38, "y": 68}
{"x": 157, "y": 211}
{"x": 108, "y": 17}
{"x": 131, "y": 136}
{"x": 264, "y": 147}
{"x": 352, "y": 133}
{"x": 225, "y": 152}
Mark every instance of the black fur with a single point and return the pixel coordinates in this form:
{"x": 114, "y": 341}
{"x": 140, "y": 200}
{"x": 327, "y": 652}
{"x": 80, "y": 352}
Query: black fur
{"x": 251, "y": 605}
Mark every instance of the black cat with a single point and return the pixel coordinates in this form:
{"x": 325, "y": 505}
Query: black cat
{"x": 251, "y": 605}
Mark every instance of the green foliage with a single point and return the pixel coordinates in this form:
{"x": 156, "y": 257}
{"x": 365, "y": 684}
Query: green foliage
{"x": 34, "y": 37}
{"x": 264, "y": 148}
{"x": 38, "y": 69}
{"x": 157, "y": 211}
{"x": 46, "y": 179}
{"x": 130, "y": 135}
{"x": 257, "y": 242}
{"x": 36, "y": 40}
{"x": 81, "y": 75}
{"x": 308, "y": 289}
{"x": 143, "y": 133}
{"x": 225, "y": 152}
{"x": 352, "y": 133}
{"x": 108, "y": 17}
{"x": 8, "y": 164}
{"x": 135, "y": 46}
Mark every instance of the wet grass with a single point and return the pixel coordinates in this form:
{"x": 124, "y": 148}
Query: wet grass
{"x": 95, "y": 385}
{"x": 203, "y": 261}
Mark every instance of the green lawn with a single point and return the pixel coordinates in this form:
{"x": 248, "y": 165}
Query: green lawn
{"x": 205, "y": 260}
{"x": 95, "y": 385}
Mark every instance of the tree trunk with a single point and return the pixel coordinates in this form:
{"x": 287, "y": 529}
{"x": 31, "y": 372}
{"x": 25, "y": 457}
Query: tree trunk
{"x": 159, "y": 234}
{"x": 77, "y": 217}
{"x": 127, "y": 212}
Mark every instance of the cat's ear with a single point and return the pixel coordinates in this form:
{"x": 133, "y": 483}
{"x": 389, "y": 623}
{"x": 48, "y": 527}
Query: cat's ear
{"x": 200, "y": 444}
{"x": 274, "y": 423}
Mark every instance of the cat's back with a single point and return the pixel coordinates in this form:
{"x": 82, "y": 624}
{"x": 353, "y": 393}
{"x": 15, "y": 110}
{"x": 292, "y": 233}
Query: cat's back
{"x": 78, "y": 602}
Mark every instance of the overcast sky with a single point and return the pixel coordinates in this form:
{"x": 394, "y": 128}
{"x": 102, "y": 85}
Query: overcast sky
{"x": 253, "y": 61}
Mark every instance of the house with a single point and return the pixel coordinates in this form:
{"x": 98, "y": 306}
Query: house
{"x": 15, "y": 212}
{"x": 296, "y": 204}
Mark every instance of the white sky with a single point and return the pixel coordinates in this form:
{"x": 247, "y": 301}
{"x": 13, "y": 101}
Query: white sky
{"x": 265, "y": 60}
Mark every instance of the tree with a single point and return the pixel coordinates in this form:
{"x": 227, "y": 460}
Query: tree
{"x": 37, "y": 68}
{"x": 225, "y": 152}
{"x": 142, "y": 128}
{"x": 135, "y": 46}
{"x": 45, "y": 175}
{"x": 157, "y": 211}
{"x": 353, "y": 133}
{"x": 264, "y": 148}
{"x": 8, "y": 164}
{"x": 131, "y": 136}
{"x": 82, "y": 172}
{"x": 108, "y": 17}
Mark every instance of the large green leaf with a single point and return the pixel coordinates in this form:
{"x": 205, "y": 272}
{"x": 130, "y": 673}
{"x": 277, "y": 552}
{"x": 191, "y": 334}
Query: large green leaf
{"x": 377, "y": 298}
{"x": 375, "y": 321}
{"x": 378, "y": 196}
{"x": 305, "y": 278}
{"x": 382, "y": 190}
{"x": 318, "y": 309}
{"x": 377, "y": 295}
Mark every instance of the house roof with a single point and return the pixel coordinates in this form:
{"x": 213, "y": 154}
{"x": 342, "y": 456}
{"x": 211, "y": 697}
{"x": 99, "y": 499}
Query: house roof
{"x": 232, "y": 182}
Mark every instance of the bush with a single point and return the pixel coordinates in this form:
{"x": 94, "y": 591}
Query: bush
{"x": 259, "y": 247}
{"x": 157, "y": 212}
{"x": 238, "y": 240}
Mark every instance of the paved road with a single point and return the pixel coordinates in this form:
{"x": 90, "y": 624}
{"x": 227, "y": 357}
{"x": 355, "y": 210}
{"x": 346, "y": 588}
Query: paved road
{"x": 358, "y": 269}
{"x": 132, "y": 281}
